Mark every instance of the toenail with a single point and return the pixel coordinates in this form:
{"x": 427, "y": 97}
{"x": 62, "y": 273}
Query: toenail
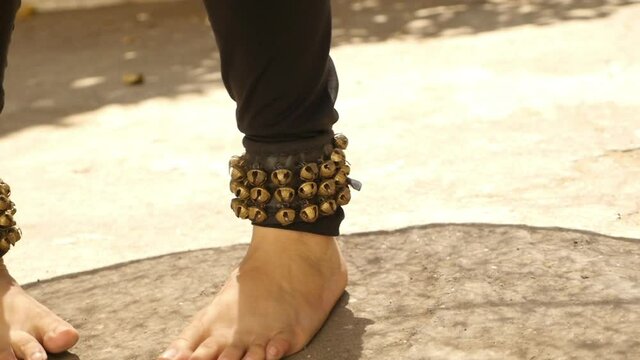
{"x": 59, "y": 329}
{"x": 273, "y": 351}
{"x": 37, "y": 356}
{"x": 169, "y": 354}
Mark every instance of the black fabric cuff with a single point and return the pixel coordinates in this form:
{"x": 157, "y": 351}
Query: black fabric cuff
{"x": 295, "y": 147}
{"x": 327, "y": 226}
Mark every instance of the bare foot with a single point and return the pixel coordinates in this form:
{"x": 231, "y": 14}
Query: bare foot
{"x": 272, "y": 305}
{"x": 27, "y": 328}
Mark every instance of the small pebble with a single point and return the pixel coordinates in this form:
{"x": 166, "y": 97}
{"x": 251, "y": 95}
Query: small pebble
{"x": 132, "y": 79}
{"x": 26, "y": 12}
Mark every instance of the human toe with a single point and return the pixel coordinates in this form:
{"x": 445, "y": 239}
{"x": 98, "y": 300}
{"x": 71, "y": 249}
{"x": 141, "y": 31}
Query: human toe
{"x": 26, "y": 346}
{"x": 277, "y": 348}
{"x": 209, "y": 349}
{"x": 59, "y": 336}
{"x": 232, "y": 353}
{"x": 255, "y": 352}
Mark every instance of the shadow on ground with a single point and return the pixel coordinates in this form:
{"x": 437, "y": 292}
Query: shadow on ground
{"x": 442, "y": 291}
{"x": 72, "y": 62}
{"x": 379, "y": 20}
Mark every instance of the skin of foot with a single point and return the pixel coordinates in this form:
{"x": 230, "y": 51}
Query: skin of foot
{"x": 272, "y": 304}
{"x": 27, "y": 328}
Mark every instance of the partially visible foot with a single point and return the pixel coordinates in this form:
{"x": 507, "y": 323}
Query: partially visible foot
{"x": 27, "y": 328}
{"x": 272, "y": 305}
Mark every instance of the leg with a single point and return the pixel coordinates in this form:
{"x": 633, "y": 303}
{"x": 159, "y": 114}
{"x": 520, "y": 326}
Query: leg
{"x": 276, "y": 66}
{"x": 8, "y": 9}
{"x": 27, "y": 328}
{"x": 269, "y": 308}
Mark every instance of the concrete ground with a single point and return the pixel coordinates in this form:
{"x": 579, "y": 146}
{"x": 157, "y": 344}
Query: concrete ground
{"x": 434, "y": 292}
{"x": 57, "y": 5}
{"x": 458, "y": 112}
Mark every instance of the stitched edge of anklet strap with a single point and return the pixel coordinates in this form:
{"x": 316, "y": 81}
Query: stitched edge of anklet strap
{"x": 10, "y": 234}
{"x": 275, "y": 189}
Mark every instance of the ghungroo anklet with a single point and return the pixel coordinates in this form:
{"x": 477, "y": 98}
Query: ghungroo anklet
{"x": 283, "y": 189}
{"x": 9, "y": 233}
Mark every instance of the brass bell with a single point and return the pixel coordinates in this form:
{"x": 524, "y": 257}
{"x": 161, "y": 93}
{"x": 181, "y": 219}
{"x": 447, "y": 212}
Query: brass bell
{"x": 260, "y": 195}
{"x": 236, "y": 161}
{"x": 344, "y": 196}
{"x": 4, "y": 247}
{"x": 242, "y": 192}
{"x": 257, "y": 215}
{"x": 340, "y": 141}
{"x": 309, "y": 213}
{"x": 327, "y": 188}
{"x": 5, "y": 203}
{"x": 338, "y": 156}
{"x": 308, "y": 190}
{"x": 309, "y": 172}
{"x": 233, "y": 186}
{"x": 239, "y": 208}
{"x": 281, "y": 177}
{"x": 285, "y": 195}
{"x": 13, "y": 235}
{"x": 285, "y": 216}
{"x": 327, "y": 169}
{"x": 237, "y": 173}
{"x": 341, "y": 179}
{"x": 256, "y": 177}
{"x": 6, "y": 219}
{"x": 346, "y": 169}
{"x": 5, "y": 189}
{"x": 328, "y": 207}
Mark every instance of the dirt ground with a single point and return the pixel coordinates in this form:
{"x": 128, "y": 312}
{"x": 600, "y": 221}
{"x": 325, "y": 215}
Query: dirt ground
{"x": 430, "y": 292}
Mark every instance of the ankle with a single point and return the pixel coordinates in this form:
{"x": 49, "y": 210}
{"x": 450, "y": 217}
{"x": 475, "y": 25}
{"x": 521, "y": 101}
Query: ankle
{"x": 272, "y": 239}
{"x": 5, "y": 277}
{"x": 272, "y": 244}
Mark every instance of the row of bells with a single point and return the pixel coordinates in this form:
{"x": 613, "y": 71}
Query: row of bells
{"x": 285, "y": 216}
{"x": 9, "y": 233}
{"x": 335, "y": 166}
{"x": 286, "y": 195}
{"x": 282, "y": 177}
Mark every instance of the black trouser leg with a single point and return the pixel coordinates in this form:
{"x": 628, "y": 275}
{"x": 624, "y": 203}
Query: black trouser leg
{"x": 276, "y": 66}
{"x": 8, "y": 9}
